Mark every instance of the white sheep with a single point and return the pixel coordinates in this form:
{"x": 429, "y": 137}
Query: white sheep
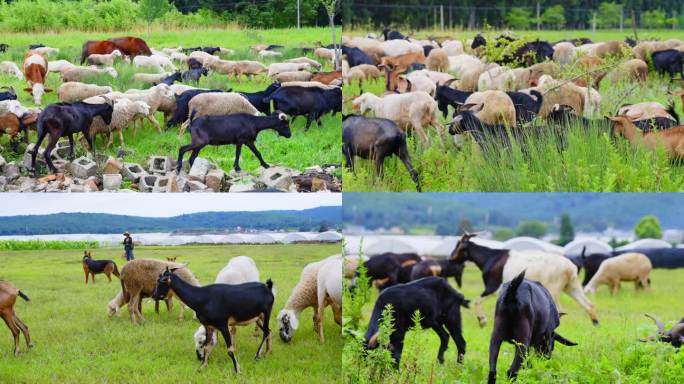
{"x": 467, "y": 68}
{"x": 75, "y": 91}
{"x": 203, "y": 57}
{"x": 11, "y": 69}
{"x": 150, "y": 78}
{"x": 437, "y": 60}
{"x": 439, "y": 78}
{"x": 266, "y": 53}
{"x": 216, "y": 104}
{"x": 46, "y": 50}
{"x": 162, "y": 63}
{"x": 177, "y": 89}
{"x": 418, "y": 83}
{"x": 304, "y": 59}
{"x": 226, "y": 51}
{"x": 284, "y": 77}
{"x": 179, "y": 56}
{"x": 309, "y": 84}
{"x": 399, "y": 47}
{"x": 12, "y": 106}
{"x": 495, "y": 107}
{"x": 104, "y": 59}
{"x": 329, "y": 292}
{"x": 124, "y": 113}
{"x": 415, "y": 110}
{"x": 80, "y": 73}
{"x": 60, "y": 65}
{"x": 303, "y": 296}
{"x": 453, "y": 47}
{"x": 563, "y": 53}
{"x": 277, "y": 68}
{"x": 324, "y": 53}
{"x": 631, "y": 266}
{"x": 169, "y": 51}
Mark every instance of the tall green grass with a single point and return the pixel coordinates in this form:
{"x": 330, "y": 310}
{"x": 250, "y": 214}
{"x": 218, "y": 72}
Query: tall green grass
{"x": 22, "y": 245}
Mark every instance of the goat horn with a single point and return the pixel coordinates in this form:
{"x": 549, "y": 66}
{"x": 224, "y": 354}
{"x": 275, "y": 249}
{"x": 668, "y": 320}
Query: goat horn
{"x": 675, "y": 330}
{"x": 657, "y": 321}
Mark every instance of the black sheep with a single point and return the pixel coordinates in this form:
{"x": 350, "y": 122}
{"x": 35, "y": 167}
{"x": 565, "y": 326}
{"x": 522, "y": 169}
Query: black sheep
{"x": 670, "y": 61}
{"x": 211, "y": 50}
{"x": 238, "y": 129}
{"x": 526, "y": 316}
{"x": 356, "y": 56}
{"x": 182, "y": 111}
{"x": 447, "y": 96}
{"x": 390, "y": 34}
{"x": 219, "y": 306}
{"x": 3, "y": 47}
{"x": 526, "y": 107}
{"x": 439, "y": 305}
{"x": 194, "y": 74}
{"x": 66, "y": 119}
{"x": 10, "y": 94}
{"x": 257, "y": 98}
{"x": 377, "y": 139}
{"x": 169, "y": 80}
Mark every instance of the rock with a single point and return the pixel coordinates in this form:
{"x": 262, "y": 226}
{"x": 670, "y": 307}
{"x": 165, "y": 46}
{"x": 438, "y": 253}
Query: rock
{"x": 111, "y": 181}
{"x": 40, "y": 157}
{"x": 242, "y": 187}
{"x": 172, "y": 185}
{"x": 26, "y": 184}
{"x": 3, "y": 183}
{"x": 182, "y": 180}
{"x": 318, "y": 185}
{"x": 147, "y": 182}
{"x": 159, "y": 164}
{"x": 196, "y": 186}
{"x": 2, "y": 162}
{"x": 38, "y": 187}
{"x": 11, "y": 171}
{"x": 314, "y": 168}
{"x": 83, "y": 167}
{"x": 112, "y": 166}
{"x": 214, "y": 179}
{"x": 199, "y": 169}
{"x": 61, "y": 165}
{"x": 61, "y": 150}
{"x": 76, "y": 188}
{"x": 90, "y": 186}
{"x": 277, "y": 177}
{"x": 133, "y": 172}
{"x": 161, "y": 184}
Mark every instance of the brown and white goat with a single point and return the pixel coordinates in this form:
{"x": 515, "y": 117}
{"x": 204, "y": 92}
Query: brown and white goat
{"x": 626, "y": 267}
{"x": 8, "y": 296}
{"x": 672, "y": 139}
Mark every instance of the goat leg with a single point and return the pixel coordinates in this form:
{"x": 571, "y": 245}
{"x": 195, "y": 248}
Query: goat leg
{"x": 24, "y": 329}
{"x": 9, "y": 320}
{"x": 231, "y": 347}
{"x": 443, "y": 342}
{"x": 256, "y": 152}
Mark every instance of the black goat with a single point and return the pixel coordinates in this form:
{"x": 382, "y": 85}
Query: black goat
{"x": 631, "y": 42}
{"x": 272, "y": 47}
{"x": 376, "y": 139}
{"x": 3, "y": 47}
{"x": 674, "y": 336}
{"x": 10, "y": 94}
{"x": 526, "y": 316}
{"x": 466, "y": 121}
{"x": 390, "y": 34}
{"x": 182, "y": 111}
{"x": 670, "y": 61}
{"x": 169, "y": 80}
{"x": 211, "y": 50}
{"x": 220, "y": 306}
{"x": 356, "y": 56}
{"x": 66, "y": 119}
{"x": 447, "y": 96}
{"x": 526, "y": 107}
{"x": 194, "y": 74}
{"x": 480, "y": 41}
{"x": 238, "y": 129}
{"x": 257, "y": 98}
{"x": 442, "y": 268}
{"x": 194, "y": 63}
{"x": 590, "y": 264}
{"x": 37, "y": 45}
{"x": 439, "y": 305}
{"x": 312, "y": 102}
{"x": 530, "y": 53}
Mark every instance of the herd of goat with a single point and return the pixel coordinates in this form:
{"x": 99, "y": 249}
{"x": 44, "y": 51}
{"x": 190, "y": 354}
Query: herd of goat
{"x": 237, "y": 297}
{"x": 529, "y": 284}
{"x": 531, "y": 88}
{"x": 214, "y": 117}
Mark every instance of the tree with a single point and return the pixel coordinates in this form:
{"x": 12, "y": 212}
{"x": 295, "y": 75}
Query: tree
{"x": 554, "y": 17}
{"x": 531, "y": 228}
{"x": 648, "y": 228}
{"x": 464, "y": 225}
{"x": 150, "y": 10}
{"x": 518, "y": 18}
{"x": 330, "y": 8}
{"x": 608, "y": 15}
{"x": 655, "y": 19}
{"x": 567, "y": 232}
{"x": 503, "y": 234}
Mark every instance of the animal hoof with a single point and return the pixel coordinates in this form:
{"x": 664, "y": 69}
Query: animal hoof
{"x": 482, "y": 321}
{"x": 595, "y": 322}
{"x": 459, "y": 360}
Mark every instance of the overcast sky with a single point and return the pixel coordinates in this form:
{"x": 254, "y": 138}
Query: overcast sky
{"x": 159, "y": 204}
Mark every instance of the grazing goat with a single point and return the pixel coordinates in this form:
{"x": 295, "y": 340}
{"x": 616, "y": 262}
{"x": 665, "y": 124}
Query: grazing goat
{"x": 631, "y": 266}
{"x": 312, "y": 102}
{"x": 238, "y": 129}
{"x": 555, "y": 272}
{"x": 387, "y": 269}
{"x": 377, "y": 139}
{"x": 66, "y": 119}
{"x": 447, "y": 96}
{"x": 93, "y": 267}
{"x": 670, "y": 61}
{"x": 526, "y": 316}
{"x": 590, "y": 264}
{"x": 257, "y": 98}
{"x": 439, "y": 305}
{"x": 672, "y": 139}
{"x": 219, "y": 306}
{"x": 182, "y": 111}
{"x": 674, "y": 336}
{"x": 8, "y": 296}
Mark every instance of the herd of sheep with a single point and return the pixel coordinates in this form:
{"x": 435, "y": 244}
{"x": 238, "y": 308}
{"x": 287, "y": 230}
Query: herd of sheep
{"x": 530, "y": 88}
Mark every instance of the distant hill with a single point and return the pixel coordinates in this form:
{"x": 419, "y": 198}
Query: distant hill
{"x": 588, "y": 211}
{"x": 62, "y": 223}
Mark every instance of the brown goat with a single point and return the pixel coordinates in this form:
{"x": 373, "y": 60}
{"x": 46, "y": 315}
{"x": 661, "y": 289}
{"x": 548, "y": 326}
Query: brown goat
{"x": 404, "y": 60}
{"x": 92, "y": 267}
{"x": 326, "y": 77}
{"x": 8, "y": 296}
{"x": 672, "y": 139}
{"x": 12, "y": 125}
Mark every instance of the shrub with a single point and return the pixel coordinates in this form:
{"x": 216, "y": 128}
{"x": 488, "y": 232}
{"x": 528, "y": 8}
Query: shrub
{"x": 22, "y": 245}
{"x": 554, "y": 17}
{"x": 518, "y": 18}
{"x": 648, "y": 228}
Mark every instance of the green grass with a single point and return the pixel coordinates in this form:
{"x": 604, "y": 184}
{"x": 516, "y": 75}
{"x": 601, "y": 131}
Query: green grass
{"x": 75, "y": 341}
{"x": 320, "y": 145}
{"x": 609, "y": 353}
{"x": 16, "y": 245}
{"x": 590, "y": 162}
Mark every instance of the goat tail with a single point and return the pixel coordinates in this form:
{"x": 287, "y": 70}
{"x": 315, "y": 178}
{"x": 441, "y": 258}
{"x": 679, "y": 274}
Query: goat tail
{"x": 269, "y": 284}
{"x": 116, "y": 271}
{"x": 22, "y": 295}
{"x": 563, "y": 340}
{"x": 513, "y": 288}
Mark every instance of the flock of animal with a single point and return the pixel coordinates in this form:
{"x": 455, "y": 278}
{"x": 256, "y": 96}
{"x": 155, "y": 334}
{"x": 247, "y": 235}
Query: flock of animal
{"x": 532, "y": 88}
{"x": 237, "y": 297}
{"x": 529, "y": 284}
{"x": 214, "y": 117}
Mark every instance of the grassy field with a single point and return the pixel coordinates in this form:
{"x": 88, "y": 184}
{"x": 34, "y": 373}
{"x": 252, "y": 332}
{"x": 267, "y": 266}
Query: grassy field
{"x": 318, "y": 146}
{"x": 609, "y": 353}
{"x": 77, "y": 343}
{"x": 590, "y": 162}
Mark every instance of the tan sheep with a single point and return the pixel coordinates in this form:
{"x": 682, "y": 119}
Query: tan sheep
{"x": 371, "y": 71}
{"x": 644, "y": 49}
{"x": 313, "y": 63}
{"x": 124, "y": 113}
{"x": 453, "y": 48}
{"x": 633, "y": 69}
{"x": 646, "y": 110}
{"x": 355, "y": 75}
{"x": 80, "y": 73}
{"x": 150, "y": 78}
{"x": 437, "y": 60}
{"x": 612, "y": 48}
{"x": 284, "y": 77}
{"x": 74, "y": 91}
{"x": 216, "y": 104}
{"x": 563, "y": 53}
{"x": 248, "y": 68}
{"x": 634, "y": 267}
{"x": 496, "y": 107}
{"x": 104, "y": 59}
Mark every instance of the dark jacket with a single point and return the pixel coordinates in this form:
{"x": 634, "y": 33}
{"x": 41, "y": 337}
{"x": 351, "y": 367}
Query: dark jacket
{"x": 128, "y": 243}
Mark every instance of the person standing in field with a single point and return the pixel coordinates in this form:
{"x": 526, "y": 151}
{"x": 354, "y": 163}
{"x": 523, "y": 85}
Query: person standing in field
{"x": 128, "y": 246}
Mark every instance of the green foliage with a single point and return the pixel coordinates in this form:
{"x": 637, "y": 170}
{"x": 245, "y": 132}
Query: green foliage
{"x": 531, "y": 228}
{"x": 444, "y": 229}
{"x": 608, "y": 15}
{"x": 655, "y": 18}
{"x": 614, "y": 243}
{"x": 553, "y": 17}
{"x": 519, "y": 18}
{"x": 503, "y": 234}
{"x": 151, "y": 10}
{"x": 648, "y": 228}
{"x": 20, "y": 245}
{"x": 567, "y": 232}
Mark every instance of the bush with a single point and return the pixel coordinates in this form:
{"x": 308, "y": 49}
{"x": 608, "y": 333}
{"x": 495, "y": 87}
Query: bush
{"x": 531, "y": 228}
{"x": 503, "y": 234}
{"x": 648, "y": 228}
{"x": 654, "y": 19}
{"x": 23, "y": 245}
{"x": 608, "y": 15}
{"x": 518, "y": 18}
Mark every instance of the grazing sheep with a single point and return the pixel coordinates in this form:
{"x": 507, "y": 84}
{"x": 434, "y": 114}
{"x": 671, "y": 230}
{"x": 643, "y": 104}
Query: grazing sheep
{"x": 217, "y": 104}
{"x": 437, "y": 60}
{"x": 266, "y": 53}
{"x": 626, "y": 267}
{"x": 439, "y": 305}
{"x": 371, "y": 71}
{"x": 162, "y": 63}
{"x": 249, "y": 68}
{"x": 468, "y": 69}
{"x": 75, "y": 91}
{"x": 497, "y": 78}
{"x": 324, "y": 53}
{"x": 648, "y": 110}
{"x": 11, "y": 69}
{"x": 565, "y": 93}
{"x": 284, "y": 77}
{"x": 46, "y": 50}
{"x": 103, "y": 59}
{"x": 138, "y": 279}
{"x": 277, "y": 68}
{"x": 633, "y": 70}
{"x": 672, "y": 139}
{"x": 526, "y": 316}
{"x": 329, "y": 292}
{"x": 354, "y": 75}
{"x": 453, "y": 47}
{"x": 309, "y": 84}
{"x": 563, "y": 53}
{"x": 414, "y": 83}
{"x": 303, "y": 296}
{"x": 612, "y": 48}
{"x": 8, "y": 297}
{"x": 150, "y": 78}
{"x": 81, "y": 73}
{"x": 644, "y": 49}
{"x": 225, "y": 67}
{"x": 400, "y": 47}
{"x": 415, "y": 110}
{"x": 124, "y": 113}
{"x": 495, "y": 107}
{"x": 313, "y": 63}
{"x": 92, "y": 267}
{"x": 203, "y": 57}
{"x": 60, "y": 66}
